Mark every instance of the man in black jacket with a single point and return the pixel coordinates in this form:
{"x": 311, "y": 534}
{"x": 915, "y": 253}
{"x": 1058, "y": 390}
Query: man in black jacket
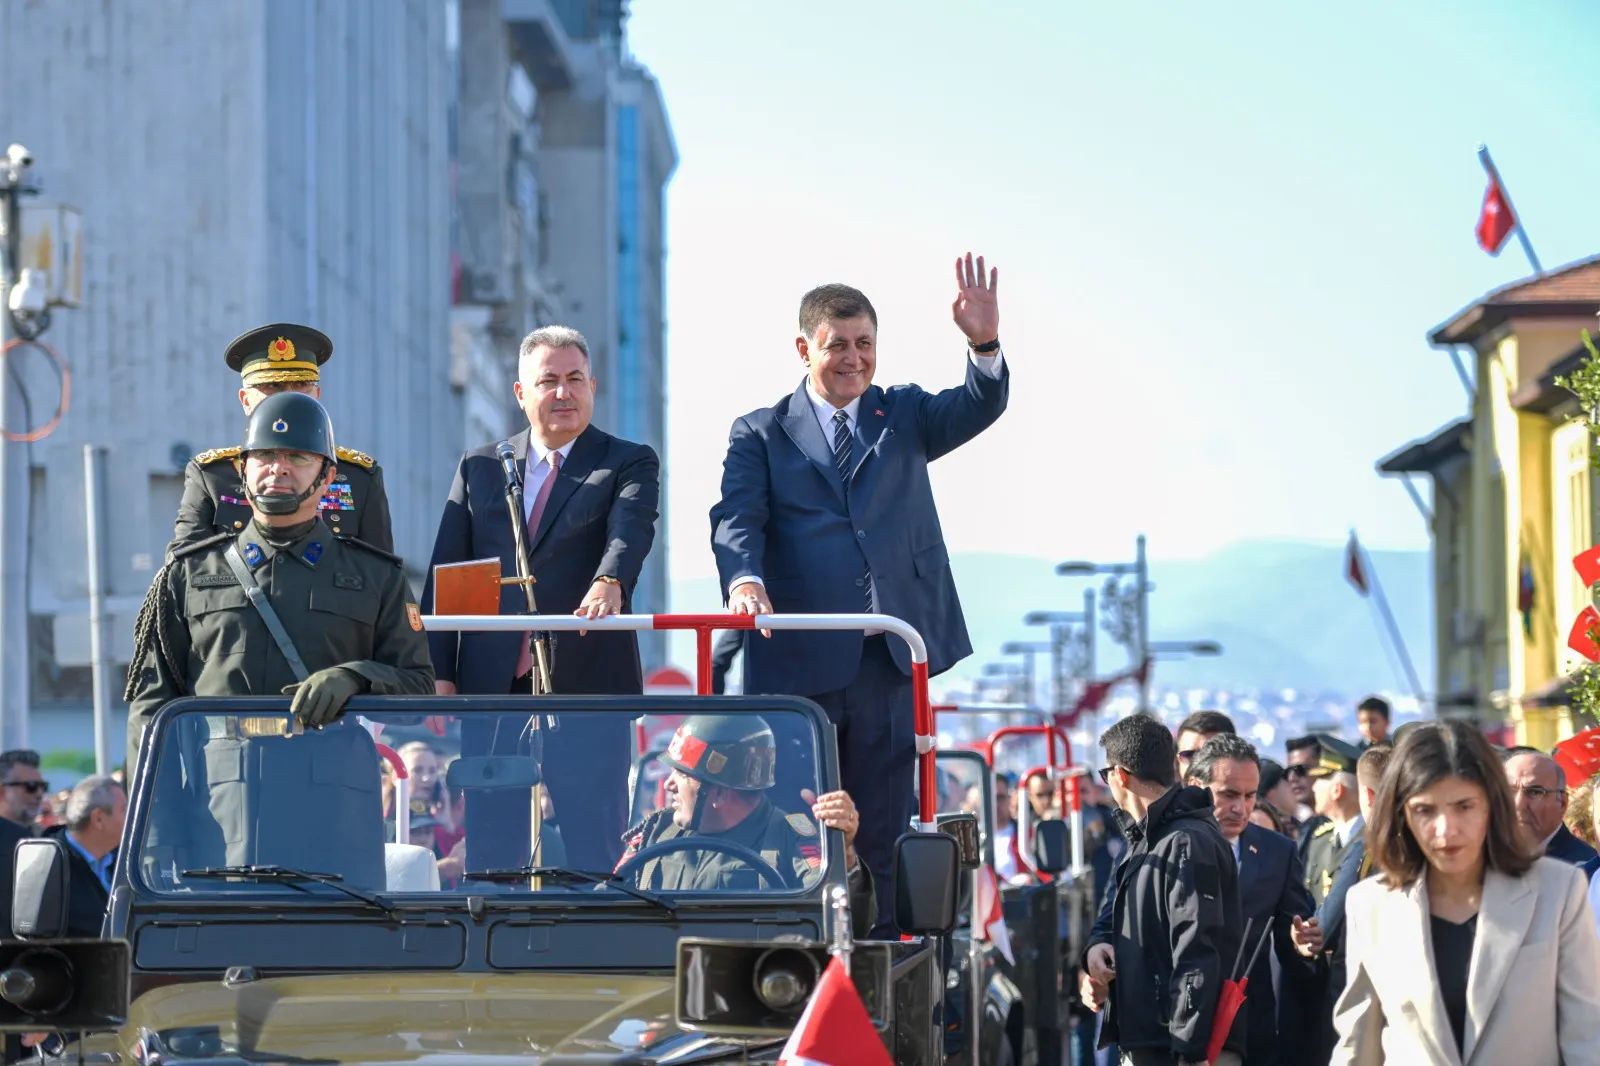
{"x": 1175, "y": 920}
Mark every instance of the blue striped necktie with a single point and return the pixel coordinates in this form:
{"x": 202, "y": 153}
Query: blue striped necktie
{"x": 841, "y": 459}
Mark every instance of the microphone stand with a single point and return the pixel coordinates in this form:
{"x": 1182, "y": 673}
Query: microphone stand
{"x": 519, "y": 534}
{"x": 538, "y": 641}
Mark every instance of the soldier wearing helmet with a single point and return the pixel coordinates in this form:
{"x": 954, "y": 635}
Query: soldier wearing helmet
{"x": 721, "y": 769}
{"x": 346, "y": 625}
{"x": 272, "y": 359}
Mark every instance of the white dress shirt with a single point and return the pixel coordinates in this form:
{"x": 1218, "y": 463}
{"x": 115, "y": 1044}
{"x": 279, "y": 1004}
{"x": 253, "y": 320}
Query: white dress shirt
{"x": 988, "y": 365}
{"x": 537, "y": 472}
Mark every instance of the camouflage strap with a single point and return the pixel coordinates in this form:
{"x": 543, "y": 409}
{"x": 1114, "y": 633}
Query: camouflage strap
{"x": 258, "y": 600}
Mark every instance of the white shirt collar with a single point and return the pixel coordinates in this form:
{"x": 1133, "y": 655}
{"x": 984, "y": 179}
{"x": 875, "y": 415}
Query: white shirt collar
{"x": 825, "y": 411}
{"x": 1345, "y": 832}
{"x": 1235, "y": 843}
{"x": 537, "y": 451}
{"x": 1549, "y": 838}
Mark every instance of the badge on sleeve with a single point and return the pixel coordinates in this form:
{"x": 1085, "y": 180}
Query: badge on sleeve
{"x": 253, "y": 555}
{"x": 802, "y": 825}
{"x": 414, "y": 616}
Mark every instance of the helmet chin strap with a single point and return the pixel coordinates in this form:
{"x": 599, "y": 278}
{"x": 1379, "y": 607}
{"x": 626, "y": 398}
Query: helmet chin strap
{"x": 701, "y": 801}
{"x": 284, "y": 503}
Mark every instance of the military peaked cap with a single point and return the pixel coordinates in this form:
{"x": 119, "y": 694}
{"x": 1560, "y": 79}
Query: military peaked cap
{"x": 1334, "y": 756}
{"x": 280, "y": 352}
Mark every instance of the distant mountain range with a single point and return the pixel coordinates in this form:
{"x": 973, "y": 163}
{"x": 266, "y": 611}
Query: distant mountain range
{"x": 1282, "y": 611}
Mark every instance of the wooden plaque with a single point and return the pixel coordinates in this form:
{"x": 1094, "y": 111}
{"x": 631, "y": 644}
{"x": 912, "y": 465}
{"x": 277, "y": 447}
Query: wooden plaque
{"x": 467, "y": 588}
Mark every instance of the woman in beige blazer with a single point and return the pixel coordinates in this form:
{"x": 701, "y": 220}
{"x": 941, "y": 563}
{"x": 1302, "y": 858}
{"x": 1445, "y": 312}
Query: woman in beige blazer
{"x": 1468, "y": 950}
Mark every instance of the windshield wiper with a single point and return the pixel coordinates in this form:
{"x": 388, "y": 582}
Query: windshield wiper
{"x": 558, "y": 873}
{"x": 294, "y": 878}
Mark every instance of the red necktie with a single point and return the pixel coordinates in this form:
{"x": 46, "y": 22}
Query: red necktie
{"x": 525, "y": 657}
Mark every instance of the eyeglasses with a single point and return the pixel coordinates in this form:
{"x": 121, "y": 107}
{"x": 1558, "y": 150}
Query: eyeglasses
{"x": 302, "y": 460}
{"x": 1105, "y": 774}
{"x": 1185, "y": 756}
{"x": 1535, "y": 792}
{"x": 32, "y": 787}
{"x": 1294, "y": 771}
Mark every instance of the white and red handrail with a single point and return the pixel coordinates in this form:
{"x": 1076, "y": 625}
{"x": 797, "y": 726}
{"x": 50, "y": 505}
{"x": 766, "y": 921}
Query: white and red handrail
{"x": 704, "y": 625}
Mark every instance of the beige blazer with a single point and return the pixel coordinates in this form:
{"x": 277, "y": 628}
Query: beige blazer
{"x": 1533, "y": 992}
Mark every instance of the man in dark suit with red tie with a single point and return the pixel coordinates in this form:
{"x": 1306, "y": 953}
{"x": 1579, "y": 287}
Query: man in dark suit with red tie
{"x": 827, "y": 508}
{"x": 591, "y": 505}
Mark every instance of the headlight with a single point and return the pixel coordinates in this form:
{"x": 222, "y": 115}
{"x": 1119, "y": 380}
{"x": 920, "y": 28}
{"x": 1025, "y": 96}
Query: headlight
{"x": 784, "y": 978}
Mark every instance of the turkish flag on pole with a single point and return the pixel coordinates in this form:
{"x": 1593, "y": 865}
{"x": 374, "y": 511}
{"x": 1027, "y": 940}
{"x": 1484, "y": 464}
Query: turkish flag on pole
{"x": 1355, "y": 571}
{"x": 1495, "y": 220}
{"x": 835, "y": 1029}
{"x": 993, "y": 918}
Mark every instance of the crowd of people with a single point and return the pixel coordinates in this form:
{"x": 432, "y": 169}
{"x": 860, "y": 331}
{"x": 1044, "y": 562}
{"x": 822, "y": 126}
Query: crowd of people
{"x": 1420, "y": 898}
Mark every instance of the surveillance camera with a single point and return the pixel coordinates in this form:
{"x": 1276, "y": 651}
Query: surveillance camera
{"x": 19, "y": 157}
{"x": 31, "y": 294}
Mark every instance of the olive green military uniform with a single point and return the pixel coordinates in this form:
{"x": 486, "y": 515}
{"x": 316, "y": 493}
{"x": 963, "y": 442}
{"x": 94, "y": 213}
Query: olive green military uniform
{"x": 280, "y": 355}
{"x": 342, "y": 602}
{"x": 343, "y": 605}
{"x": 1321, "y": 849}
{"x": 786, "y": 841}
{"x": 214, "y": 501}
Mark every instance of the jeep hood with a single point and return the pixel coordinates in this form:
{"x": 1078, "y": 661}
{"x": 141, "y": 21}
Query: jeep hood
{"x": 375, "y": 1019}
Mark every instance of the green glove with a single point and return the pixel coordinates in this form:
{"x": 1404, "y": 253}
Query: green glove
{"x": 319, "y": 700}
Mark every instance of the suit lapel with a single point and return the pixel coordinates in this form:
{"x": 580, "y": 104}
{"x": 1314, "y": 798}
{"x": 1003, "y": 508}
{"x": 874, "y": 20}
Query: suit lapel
{"x": 586, "y": 452}
{"x": 1503, "y": 919}
{"x": 1407, "y": 918}
{"x": 800, "y": 423}
{"x": 872, "y": 419}
{"x": 519, "y": 448}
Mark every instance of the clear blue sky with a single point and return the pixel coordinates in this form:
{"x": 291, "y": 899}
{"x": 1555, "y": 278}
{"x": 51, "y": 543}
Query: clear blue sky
{"x": 1223, "y": 231}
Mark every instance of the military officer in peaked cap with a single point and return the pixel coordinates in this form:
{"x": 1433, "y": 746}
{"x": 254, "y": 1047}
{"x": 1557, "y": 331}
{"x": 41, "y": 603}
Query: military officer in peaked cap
{"x": 1338, "y": 798}
{"x": 345, "y": 626}
{"x": 281, "y": 357}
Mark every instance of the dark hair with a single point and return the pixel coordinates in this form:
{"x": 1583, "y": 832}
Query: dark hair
{"x": 1142, "y": 746}
{"x": 833, "y": 301}
{"x": 17, "y": 757}
{"x": 1271, "y": 777}
{"x": 1375, "y": 703}
{"x": 1299, "y": 743}
{"x": 1434, "y": 751}
{"x": 1279, "y": 819}
{"x": 1373, "y": 762}
{"x": 1222, "y": 746}
{"x": 1207, "y": 723}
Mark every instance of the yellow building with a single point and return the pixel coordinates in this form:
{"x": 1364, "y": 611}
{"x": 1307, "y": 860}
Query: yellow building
{"x": 1513, "y": 502}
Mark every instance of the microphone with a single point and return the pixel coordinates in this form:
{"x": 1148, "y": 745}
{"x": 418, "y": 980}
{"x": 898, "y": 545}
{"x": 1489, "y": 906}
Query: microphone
{"x": 508, "y": 460}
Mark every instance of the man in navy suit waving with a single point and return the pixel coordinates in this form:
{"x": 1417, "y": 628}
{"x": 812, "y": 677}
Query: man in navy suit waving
{"x": 827, "y": 508}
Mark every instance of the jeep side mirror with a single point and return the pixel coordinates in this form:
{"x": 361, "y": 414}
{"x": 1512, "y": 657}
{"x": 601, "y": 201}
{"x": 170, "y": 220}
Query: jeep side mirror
{"x": 39, "y": 890}
{"x": 964, "y": 827}
{"x": 926, "y": 886}
{"x": 1051, "y": 844}
{"x": 493, "y": 771}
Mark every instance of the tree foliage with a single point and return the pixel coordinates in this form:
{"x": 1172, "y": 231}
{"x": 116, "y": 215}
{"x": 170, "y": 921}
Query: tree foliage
{"x": 1584, "y": 383}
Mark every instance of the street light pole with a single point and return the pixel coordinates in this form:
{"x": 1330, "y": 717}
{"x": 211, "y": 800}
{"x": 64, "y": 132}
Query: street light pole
{"x": 1142, "y": 595}
{"x": 14, "y": 473}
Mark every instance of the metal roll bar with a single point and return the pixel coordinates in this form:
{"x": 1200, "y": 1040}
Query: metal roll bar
{"x": 704, "y": 625}
{"x": 402, "y": 792}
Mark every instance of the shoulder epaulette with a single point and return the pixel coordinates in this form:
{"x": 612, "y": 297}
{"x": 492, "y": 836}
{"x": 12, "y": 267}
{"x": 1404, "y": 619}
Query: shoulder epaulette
{"x": 350, "y": 455}
{"x": 1322, "y": 830}
{"x": 207, "y": 457}
{"x": 373, "y": 548}
{"x": 190, "y": 549}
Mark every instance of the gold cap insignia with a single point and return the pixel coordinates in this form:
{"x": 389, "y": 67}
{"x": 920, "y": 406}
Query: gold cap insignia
{"x": 281, "y": 351}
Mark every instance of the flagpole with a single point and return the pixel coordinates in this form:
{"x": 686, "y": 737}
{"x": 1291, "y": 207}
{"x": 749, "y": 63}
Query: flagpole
{"x": 843, "y": 941}
{"x": 1516, "y": 217}
{"x": 1388, "y": 618}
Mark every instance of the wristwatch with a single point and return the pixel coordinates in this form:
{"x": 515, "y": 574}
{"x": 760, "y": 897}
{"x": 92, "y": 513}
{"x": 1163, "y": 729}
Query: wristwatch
{"x": 986, "y": 347}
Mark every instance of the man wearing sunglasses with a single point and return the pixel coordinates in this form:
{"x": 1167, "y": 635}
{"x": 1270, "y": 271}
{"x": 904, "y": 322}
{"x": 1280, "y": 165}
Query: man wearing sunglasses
{"x": 22, "y": 787}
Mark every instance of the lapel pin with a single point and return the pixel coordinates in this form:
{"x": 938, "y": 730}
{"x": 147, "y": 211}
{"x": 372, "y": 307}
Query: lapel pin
{"x": 878, "y": 411}
{"x": 1252, "y": 849}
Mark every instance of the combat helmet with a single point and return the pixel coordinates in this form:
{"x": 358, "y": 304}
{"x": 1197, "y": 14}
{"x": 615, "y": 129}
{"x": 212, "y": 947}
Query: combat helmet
{"x": 294, "y": 422}
{"x": 734, "y": 751}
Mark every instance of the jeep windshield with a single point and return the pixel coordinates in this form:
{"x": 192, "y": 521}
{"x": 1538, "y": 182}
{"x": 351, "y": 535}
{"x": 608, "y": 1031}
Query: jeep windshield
{"x": 592, "y": 800}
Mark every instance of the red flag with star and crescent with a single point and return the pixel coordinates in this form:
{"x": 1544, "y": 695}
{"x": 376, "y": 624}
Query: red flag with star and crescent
{"x": 835, "y": 1029}
{"x": 1495, "y": 219}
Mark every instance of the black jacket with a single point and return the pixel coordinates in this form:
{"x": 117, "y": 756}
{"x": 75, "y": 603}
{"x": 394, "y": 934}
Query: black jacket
{"x": 1175, "y": 929}
{"x": 86, "y": 896}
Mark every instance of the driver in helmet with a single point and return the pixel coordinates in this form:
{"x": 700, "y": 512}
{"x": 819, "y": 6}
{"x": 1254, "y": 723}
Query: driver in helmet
{"x": 721, "y": 769}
